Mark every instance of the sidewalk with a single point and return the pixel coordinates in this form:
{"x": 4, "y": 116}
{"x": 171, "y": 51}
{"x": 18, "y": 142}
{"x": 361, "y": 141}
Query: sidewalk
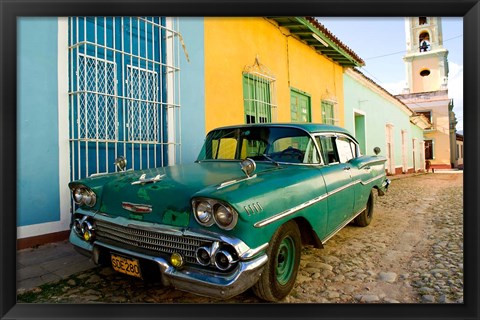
{"x": 48, "y": 263}
{"x": 448, "y": 171}
{"x": 437, "y": 171}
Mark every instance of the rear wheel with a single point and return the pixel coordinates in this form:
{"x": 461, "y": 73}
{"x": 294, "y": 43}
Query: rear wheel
{"x": 364, "y": 218}
{"x": 281, "y": 269}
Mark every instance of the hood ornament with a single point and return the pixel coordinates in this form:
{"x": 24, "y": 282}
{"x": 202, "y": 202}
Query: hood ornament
{"x": 143, "y": 179}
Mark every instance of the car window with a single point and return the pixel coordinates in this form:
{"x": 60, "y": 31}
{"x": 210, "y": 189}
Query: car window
{"x": 224, "y": 148}
{"x": 311, "y": 154}
{"x": 344, "y": 148}
{"x": 280, "y": 144}
{"x": 252, "y": 148}
{"x": 289, "y": 149}
{"x": 327, "y": 146}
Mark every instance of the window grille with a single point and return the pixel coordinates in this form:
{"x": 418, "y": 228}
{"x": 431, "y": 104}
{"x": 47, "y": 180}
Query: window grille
{"x": 142, "y": 105}
{"x": 97, "y": 108}
{"x": 259, "y": 94}
{"x": 124, "y": 96}
{"x": 328, "y": 112}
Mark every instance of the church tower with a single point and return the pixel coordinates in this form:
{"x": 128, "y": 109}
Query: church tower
{"x": 426, "y": 93}
{"x": 426, "y": 58}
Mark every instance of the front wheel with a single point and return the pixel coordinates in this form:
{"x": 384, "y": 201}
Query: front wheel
{"x": 364, "y": 218}
{"x": 281, "y": 269}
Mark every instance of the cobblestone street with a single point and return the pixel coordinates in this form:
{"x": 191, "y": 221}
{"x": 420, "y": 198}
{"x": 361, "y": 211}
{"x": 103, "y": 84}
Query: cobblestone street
{"x": 412, "y": 252}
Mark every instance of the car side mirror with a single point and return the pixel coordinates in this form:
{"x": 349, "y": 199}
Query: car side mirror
{"x": 376, "y": 150}
{"x": 248, "y": 167}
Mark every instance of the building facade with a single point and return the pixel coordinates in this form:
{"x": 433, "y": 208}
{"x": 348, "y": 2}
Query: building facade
{"x": 378, "y": 119}
{"x": 459, "y": 151}
{"x": 427, "y": 93}
{"x": 94, "y": 88}
{"x": 273, "y": 70}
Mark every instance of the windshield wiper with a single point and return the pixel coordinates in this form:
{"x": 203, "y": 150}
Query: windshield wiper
{"x": 271, "y": 160}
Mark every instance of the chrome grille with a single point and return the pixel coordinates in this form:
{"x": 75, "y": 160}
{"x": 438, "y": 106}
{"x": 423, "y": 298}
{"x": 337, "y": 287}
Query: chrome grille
{"x": 154, "y": 242}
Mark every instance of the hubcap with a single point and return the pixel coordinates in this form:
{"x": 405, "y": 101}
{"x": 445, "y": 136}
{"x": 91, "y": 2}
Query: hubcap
{"x": 285, "y": 260}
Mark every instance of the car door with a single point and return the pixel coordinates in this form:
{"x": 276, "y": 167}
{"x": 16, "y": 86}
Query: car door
{"x": 359, "y": 175}
{"x": 338, "y": 181}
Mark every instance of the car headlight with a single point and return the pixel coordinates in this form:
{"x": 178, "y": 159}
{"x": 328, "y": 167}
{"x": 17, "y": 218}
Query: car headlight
{"x": 83, "y": 195}
{"x": 210, "y": 211}
{"x": 203, "y": 213}
{"x": 225, "y": 217}
{"x": 77, "y": 195}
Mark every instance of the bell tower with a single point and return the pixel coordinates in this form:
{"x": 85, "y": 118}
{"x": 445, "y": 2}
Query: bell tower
{"x": 426, "y": 58}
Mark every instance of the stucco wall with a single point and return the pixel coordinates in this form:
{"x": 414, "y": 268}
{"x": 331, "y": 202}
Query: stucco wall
{"x": 231, "y": 44}
{"x": 425, "y": 84}
{"x": 379, "y": 110}
{"x": 419, "y": 154}
{"x": 192, "y": 87}
{"x": 440, "y": 135}
{"x": 37, "y": 121}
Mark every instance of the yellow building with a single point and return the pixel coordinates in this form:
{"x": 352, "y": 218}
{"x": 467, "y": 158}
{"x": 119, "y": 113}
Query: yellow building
{"x": 278, "y": 69}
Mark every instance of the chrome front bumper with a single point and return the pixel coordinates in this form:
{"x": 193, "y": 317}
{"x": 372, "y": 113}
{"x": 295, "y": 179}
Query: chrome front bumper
{"x": 216, "y": 285}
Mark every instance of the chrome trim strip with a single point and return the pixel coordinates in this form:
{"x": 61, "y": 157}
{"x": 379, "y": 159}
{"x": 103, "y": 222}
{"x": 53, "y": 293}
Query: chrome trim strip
{"x": 331, "y": 193}
{"x": 253, "y": 208}
{"x": 293, "y": 210}
{"x": 137, "y": 207}
{"x": 229, "y": 183}
{"x": 342, "y": 226}
{"x": 253, "y": 252}
{"x": 290, "y": 211}
{"x": 371, "y": 162}
{"x": 371, "y": 180}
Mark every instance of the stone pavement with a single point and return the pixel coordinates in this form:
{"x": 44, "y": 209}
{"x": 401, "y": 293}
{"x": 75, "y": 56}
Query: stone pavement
{"x": 48, "y": 263}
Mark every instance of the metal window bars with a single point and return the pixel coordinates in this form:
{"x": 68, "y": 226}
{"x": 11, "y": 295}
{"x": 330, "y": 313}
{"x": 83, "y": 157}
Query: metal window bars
{"x": 124, "y": 89}
{"x": 260, "y": 94}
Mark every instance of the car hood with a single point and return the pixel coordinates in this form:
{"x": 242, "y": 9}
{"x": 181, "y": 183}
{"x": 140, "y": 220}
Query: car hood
{"x": 124, "y": 194}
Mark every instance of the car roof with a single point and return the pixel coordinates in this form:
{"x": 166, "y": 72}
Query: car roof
{"x": 309, "y": 127}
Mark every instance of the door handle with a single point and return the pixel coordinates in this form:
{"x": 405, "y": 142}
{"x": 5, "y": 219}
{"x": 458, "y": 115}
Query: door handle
{"x": 346, "y": 168}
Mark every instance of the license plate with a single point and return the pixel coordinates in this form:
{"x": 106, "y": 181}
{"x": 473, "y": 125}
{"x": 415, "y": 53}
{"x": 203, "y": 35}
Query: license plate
{"x": 126, "y": 265}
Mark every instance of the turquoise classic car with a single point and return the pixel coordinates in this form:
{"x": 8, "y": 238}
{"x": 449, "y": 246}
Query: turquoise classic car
{"x": 237, "y": 217}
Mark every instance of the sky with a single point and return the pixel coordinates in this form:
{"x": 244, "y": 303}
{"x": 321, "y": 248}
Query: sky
{"x": 380, "y": 42}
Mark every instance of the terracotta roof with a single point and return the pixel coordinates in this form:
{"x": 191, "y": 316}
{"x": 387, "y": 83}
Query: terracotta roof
{"x": 314, "y": 34}
{"x": 329, "y": 34}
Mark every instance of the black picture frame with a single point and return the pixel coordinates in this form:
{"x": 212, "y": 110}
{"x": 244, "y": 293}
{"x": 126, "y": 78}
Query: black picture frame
{"x": 10, "y": 10}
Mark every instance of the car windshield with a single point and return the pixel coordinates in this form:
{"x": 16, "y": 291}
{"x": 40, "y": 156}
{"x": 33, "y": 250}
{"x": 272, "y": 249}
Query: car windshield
{"x": 273, "y": 144}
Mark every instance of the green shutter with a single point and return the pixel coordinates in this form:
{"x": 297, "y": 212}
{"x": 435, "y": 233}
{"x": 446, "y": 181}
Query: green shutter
{"x": 300, "y": 107}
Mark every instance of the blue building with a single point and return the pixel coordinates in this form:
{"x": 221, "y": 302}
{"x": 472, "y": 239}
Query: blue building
{"x": 91, "y": 89}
